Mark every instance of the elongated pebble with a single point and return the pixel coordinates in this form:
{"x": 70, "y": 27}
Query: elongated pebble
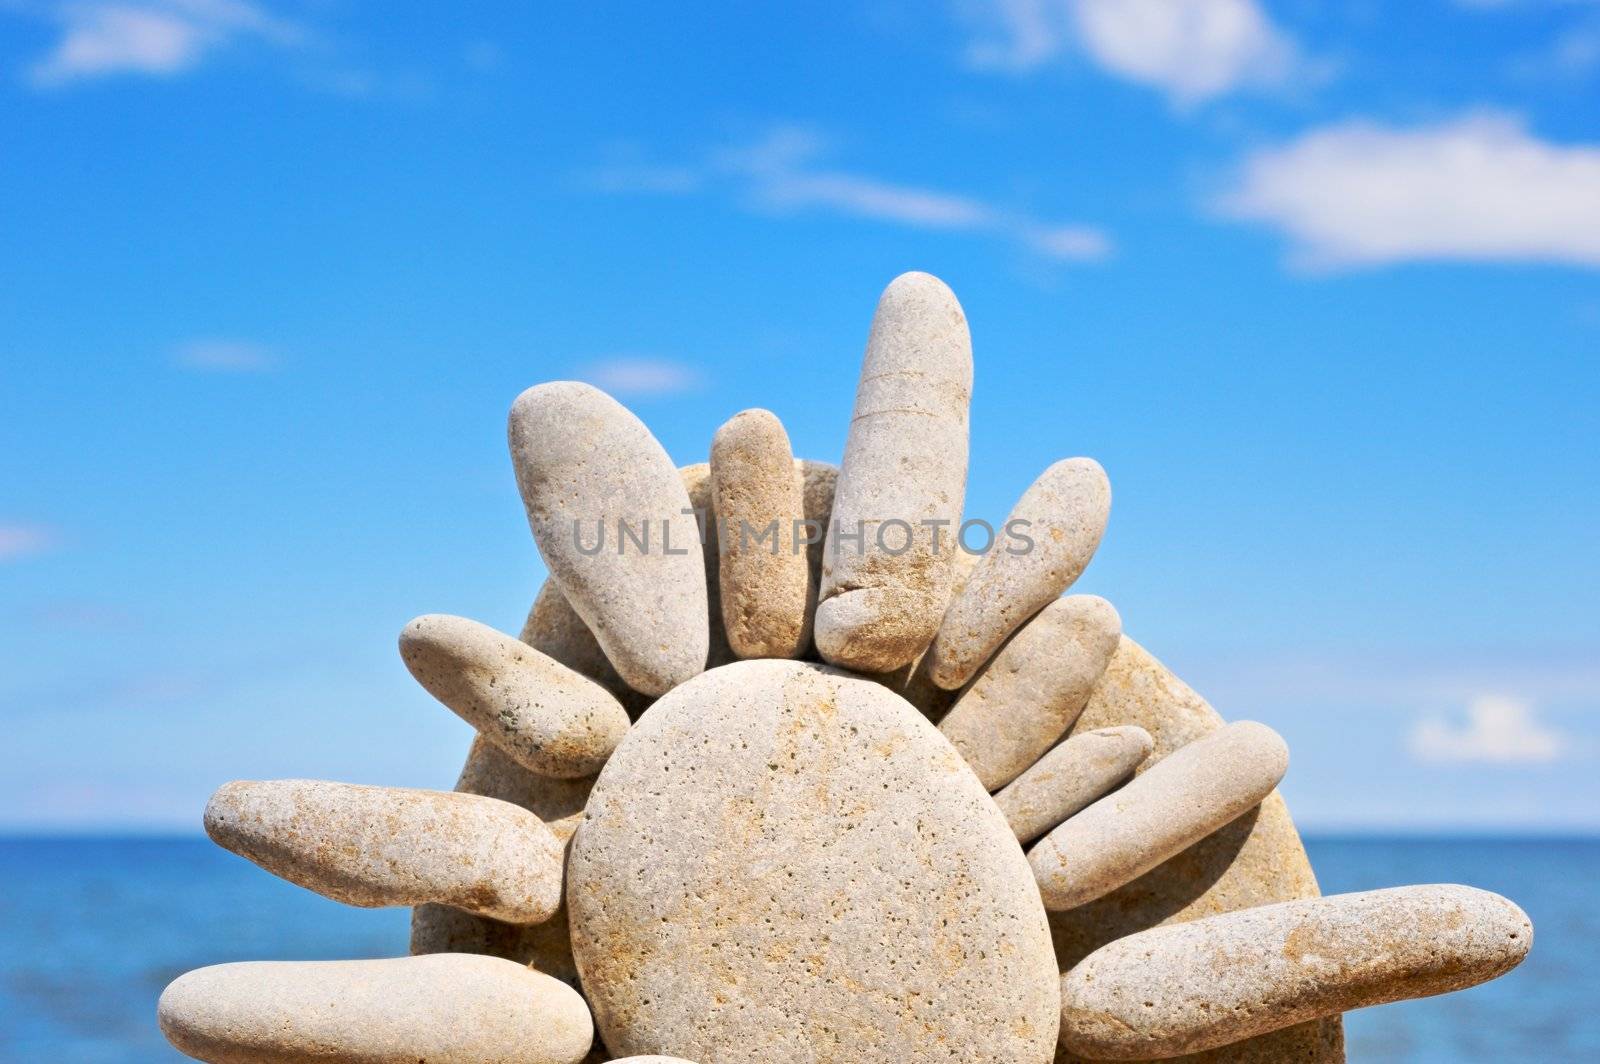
{"x": 1071, "y": 776}
{"x": 897, "y": 506}
{"x": 1034, "y": 689}
{"x": 1172, "y": 805}
{"x": 1210, "y": 982}
{"x": 765, "y": 585}
{"x": 591, "y": 476}
{"x": 377, "y": 846}
{"x": 553, "y": 627}
{"x": 1062, "y": 515}
{"x": 450, "y": 1008}
{"x": 697, "y": 482}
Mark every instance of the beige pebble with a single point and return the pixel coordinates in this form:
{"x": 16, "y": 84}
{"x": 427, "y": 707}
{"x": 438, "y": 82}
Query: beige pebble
{"x": 817, "y": 482}
{"x": 376, "y": 846}
{"x": 1068, "y": 778}
{"x": 784, "y": 862}
{"x": 590, "y": 473}
{"x": 765, "y": 587}
{"x": 1210, "y": 982}
{"x": 1022, "y": 702}
{"x": 1062, "y": 515}
{"x": 697, "y": 482}
{"x": 553, "y": 627}
{"x": 1166, "y": 809}
{"x": 443, "y": 1009}
{"x": 652, "y": 1059}
{"x": 905, "y": 463}
{"x": 551, "y": 719}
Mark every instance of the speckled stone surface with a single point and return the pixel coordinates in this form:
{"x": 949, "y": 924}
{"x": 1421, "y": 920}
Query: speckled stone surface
{"x": 584, "y": 464}
{"x": 1070, "y": 777}
{"x": 443, "y": 1009}
{"x": 1029, "y": 695}
{"x": 550, "y": 719}
{"x": 1063, "y": 515}
{"x": 785, "y": 862}
{"x": 764, "y": 581}
{"x": 905, "y": 460}
{"x": 1255, "y": 860}
{"x": 376, "y": 846}
{"x": 1209, "y": 982}
{"x": 1192, "y": 792}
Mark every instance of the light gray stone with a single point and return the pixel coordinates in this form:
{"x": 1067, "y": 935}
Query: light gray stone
{"x": 905, "y": 461}
{"x": 550, "y": 719}
{"x": 587, "y": 467}
{"x": 697, "y": 482}
{"x": 553, "y": 627}
{"x": 376, "y": 846}
{"x": 1065, "y": 514}
{"x": 1211, "y": 982}
{"x": 1023, "y": 700}
{"x": 786, "y": 862}
{"x": 443, "y": 1009}
{"x": 1068, "y": 778}
{"x": 765, "y": 586}
{"x": 1168, "y": 808}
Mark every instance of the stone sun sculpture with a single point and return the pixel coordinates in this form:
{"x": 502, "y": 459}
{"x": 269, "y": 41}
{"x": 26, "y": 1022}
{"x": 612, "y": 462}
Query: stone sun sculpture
{"x": 767, "y": 800}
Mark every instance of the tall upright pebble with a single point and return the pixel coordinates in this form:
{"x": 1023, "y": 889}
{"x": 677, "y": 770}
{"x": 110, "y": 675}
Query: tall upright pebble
{"x": 377, "y": 846}
{"x": 765, "y": 583}
{"x": 443, "y": 1009}
{"x": 1057, "y": 525}
{"x": 1208, "y": 983}
{"x": 897, "y": 507}
{"x": 1034, "y": 689}
{"x": 551, "y": 719}
{"x": 613, "y": 522}
{"x": 1068, "y": 778}
{"x": 1174, "y": 804}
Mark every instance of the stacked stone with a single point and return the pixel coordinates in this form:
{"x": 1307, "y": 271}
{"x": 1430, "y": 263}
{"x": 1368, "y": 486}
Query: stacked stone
{"x": 778, "y": 772}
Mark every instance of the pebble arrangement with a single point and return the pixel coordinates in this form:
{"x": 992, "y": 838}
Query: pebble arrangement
{"x": 846, "y": 793}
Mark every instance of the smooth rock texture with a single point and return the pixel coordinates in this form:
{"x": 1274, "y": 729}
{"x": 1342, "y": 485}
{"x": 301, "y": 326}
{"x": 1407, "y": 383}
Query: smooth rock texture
{"x": 783, "y": 862}
{"x": 553, "y": 627}
{"x": 1070, "y": 777}
{"x": 765, "y": 583}
{"x": 1066, "y": 511}
{"x": 586, "y": 466}
{"x": 376, "y": 846}
{"x": 550, "y": 719}
{"x": 1190, "y": 794}
{"x": 817, "y": 483}
{"x": 1255, "y": 860}
{"x": 1210, "y": 982}
{"x": 697, "y": 482}
{"x": 443, "y": 1009}
{"x": 1034, "y": 689}
{"x": 905, "y": 460}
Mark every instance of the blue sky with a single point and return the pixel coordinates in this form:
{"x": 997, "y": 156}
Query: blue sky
{"x": 1319, "y": 284}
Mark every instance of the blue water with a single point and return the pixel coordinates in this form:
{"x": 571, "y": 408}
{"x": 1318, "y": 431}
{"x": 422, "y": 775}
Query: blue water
{"x": 92, "y": 929}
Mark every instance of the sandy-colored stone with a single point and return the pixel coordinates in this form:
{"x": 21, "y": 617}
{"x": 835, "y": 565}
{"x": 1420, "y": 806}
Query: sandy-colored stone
{"x": 1023, "y": 700}
{"x": 1070, "y": 777}
{"x": 817, "y": 482}
{"x": 652, "y": 1059}
{"x": 785, "y": 862}
{"x": 443, "y": 1009}
{"x": 1256, "y": 860}
{"x": 550, "y": 719}
{"x": 1062, "y": 515}
{"x": 1207, "y": 983}
{"x": 1191, "y": 793}
{"x": 376, "y": 846}
{"x": 588, "y": 470}
{"x": 765, "y": 587}
{"x": 905, "y": 463}
{"x": 553, "y": 627}
{"x": 697, "y": 482}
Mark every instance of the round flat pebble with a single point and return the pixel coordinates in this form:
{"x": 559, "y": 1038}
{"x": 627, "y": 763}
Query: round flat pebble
{"x": 1208, "y": 983}
{"x": 377, "y": 846}
{"x": 786, "y": 862}
{"x": 442, "y": 1009}
{"x": 1070, "y": 777}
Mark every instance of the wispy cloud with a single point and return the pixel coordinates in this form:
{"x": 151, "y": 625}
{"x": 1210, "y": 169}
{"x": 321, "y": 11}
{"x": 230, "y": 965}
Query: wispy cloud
{"x": 19, "y": 540}
{"x": 786, "y": 171}
{"x": 225, "y": 356}
{"x": 634, "y": 375}
{"x": 1478, "y": 188}
{"x": 1497, "y": 730}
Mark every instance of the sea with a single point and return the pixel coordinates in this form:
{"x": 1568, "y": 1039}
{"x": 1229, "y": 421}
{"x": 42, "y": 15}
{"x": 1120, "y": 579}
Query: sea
{"x": 92, "y": 929}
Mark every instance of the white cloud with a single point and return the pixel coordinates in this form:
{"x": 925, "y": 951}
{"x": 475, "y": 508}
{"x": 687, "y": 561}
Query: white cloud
{"x": 1192, "y": 50}
{"x": 1478, "y": 188}
{"x": 225, "y": 356}
{"x": 1497, "y": 730}
{"x": 19, "y": 541}
{"x": 632, "y": 375}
